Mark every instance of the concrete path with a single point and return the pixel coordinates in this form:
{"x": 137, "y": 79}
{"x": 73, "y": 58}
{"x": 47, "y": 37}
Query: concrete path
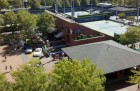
{"x": 130, "y": 88}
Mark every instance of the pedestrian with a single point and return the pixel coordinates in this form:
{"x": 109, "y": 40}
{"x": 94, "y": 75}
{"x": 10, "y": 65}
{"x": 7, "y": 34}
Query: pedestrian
{"x": 6, "y": 68}
{"x": 63, "y": 55}
{"x": 10, "y": 67}
{"x": 138, "y": 87}
{"x": 5, "y": 57}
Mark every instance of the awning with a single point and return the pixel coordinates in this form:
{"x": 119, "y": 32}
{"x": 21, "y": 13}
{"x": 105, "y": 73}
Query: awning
{"x": 59, "y": 34}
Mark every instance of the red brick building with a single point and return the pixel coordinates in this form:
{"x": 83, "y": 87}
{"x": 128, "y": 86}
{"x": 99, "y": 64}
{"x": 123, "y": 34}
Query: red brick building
{"x": 75, "y": 33}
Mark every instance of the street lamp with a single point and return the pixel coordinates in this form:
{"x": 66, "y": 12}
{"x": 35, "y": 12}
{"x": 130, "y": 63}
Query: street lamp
{"x": 116, "y": 10}
{"x": 72, "y": 9}
{"x": 45, "y": 4}
{"x": 10, "y": 7}
{"x": 91, "y": 3}
{"x": 138, "y": 10}
{"x": 21, "y": 2}
{"x": 64, "y": 7}
{"x": 56, "y": 7}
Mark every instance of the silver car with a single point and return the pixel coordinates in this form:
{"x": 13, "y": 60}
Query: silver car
{"x": 28, "y": 50}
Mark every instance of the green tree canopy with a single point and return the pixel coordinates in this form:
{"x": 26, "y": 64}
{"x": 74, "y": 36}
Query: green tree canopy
{"x": 49, "y": 2}
{"x": 4, "y": 4}
{"x": 35, "y": 4}
{"x": 131, "y": 36}
{"x": 73, "y": 75}
{"x": 67, "y": 3}
{"x": 10, "y": 18}
{"x": 84, "y": 2}
{"x": 135, "y": 78}
{"x": 68, "y": 75}
{"x": 27, "y": 23}
{"x": 121, "y": 15}
{"x": 46, "y": 22}
{"x": 1, "y": 19}
{"x": 4, "y": 84}
{"x": 77, "y": 3}
{"x": 30, "y": 77}
{"x": 26, "y": 20}
{"x": 15, "y": 3}
{"x": 131, "y": 18}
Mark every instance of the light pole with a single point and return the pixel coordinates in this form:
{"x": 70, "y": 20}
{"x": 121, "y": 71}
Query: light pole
{"x": 72, "y": 9}
{"x": 138, "y": 11}
{"x": 21, "y": 2}
{"x": 56, "y": 7}
{"x": 10, "y": 7}
{"x": 91, "y": 6}
{"x": 64, "y": 7}
{"x": 45, "y": 4}
{"x": 116, "y": 10}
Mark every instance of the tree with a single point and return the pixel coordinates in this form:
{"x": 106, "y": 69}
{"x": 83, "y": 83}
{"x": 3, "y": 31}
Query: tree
{"x": 73, "y": 75}
{"x": 131, "y": 36}
{"x": 67, "y": 3}
{"x": 27, "y": 22}
{"x": 94, "y": 2}
{"x": 46, "y": 22}
{"x": 4, "y": 4}
{"x": 84, "y": 2}
{"x": 59, "y": 3}
{"x": 30, "y": 77}
{"x": 1, "y": 20}
{"x": 15, "y": 3}
{"x": 35, "y": 4}
{"x": 10, "y": 18}
{"x": 131, "y": 18}
{"x": 135, "y": 78}
{"x": 4, "y": 84}
{"x": 121, "y": 15}
{"x": 132, "y": 3}
{"x": 77, "y": 3}
{"x": 49, "y": 2}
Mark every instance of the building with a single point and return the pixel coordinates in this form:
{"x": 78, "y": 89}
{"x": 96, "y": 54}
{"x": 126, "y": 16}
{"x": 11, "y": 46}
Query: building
{"x": 115, "y": 59}
{"x": 127, "y": 10}
{"x": 75, "y": 33}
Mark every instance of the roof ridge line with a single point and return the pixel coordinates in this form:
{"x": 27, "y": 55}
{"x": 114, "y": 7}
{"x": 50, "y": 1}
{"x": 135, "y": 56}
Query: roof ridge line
{"x": 124, "y": 49}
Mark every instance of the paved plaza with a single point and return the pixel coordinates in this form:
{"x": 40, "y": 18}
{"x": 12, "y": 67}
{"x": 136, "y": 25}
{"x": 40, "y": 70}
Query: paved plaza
{"x": 15, "y": 58}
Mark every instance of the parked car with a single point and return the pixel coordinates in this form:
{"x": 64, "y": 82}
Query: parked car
{"x": 37, "y": 52}
{"x": 28, "y": 50}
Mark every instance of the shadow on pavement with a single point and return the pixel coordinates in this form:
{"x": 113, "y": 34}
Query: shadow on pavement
{"x": 11, "y": 51}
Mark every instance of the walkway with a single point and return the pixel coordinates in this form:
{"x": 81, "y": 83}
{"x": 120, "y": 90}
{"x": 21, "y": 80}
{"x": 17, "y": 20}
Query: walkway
{"x": 11, "y": 59}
